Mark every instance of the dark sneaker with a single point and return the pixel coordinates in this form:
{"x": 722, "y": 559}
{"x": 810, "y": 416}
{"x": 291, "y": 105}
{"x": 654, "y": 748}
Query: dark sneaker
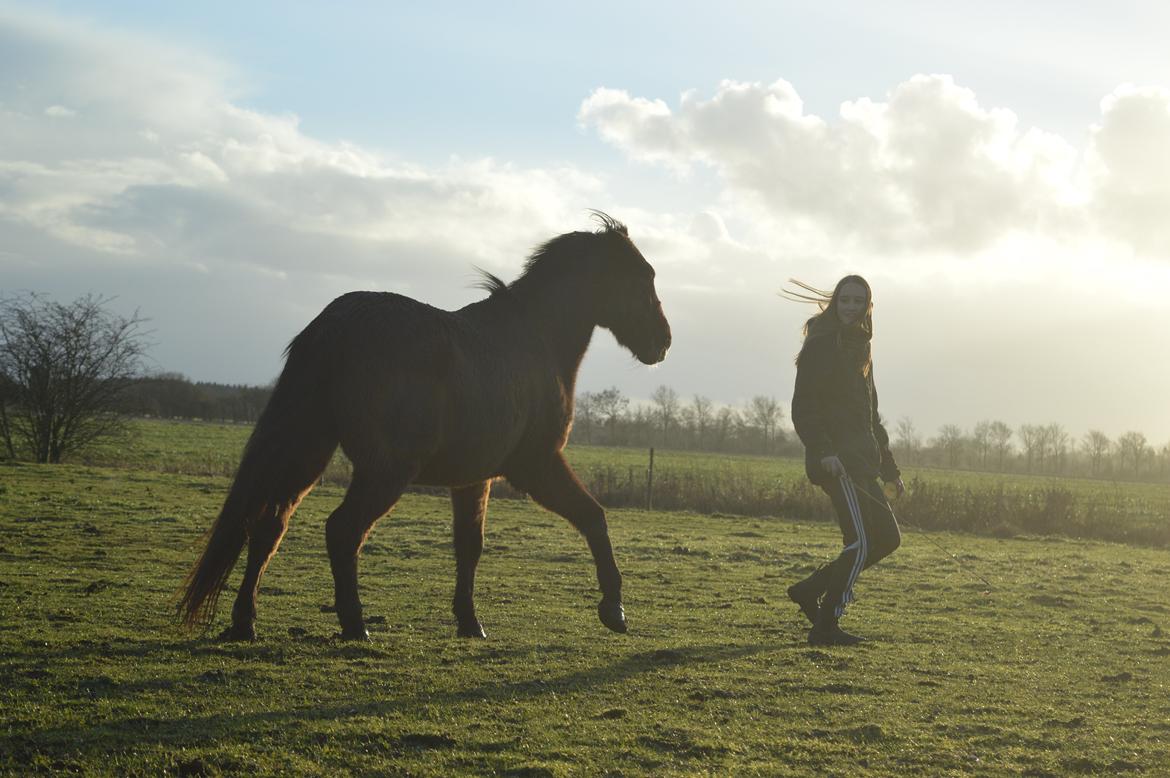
{"x": 830, "y": 634}
{"x": 801, "y": 594}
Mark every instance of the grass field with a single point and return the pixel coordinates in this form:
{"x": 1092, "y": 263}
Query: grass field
{"x": 1062, "y": 667}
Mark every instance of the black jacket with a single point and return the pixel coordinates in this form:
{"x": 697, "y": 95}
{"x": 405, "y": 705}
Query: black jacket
{"x": 835, "y": 411}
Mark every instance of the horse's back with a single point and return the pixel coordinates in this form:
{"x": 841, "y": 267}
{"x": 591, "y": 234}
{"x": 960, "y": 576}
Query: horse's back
{"x": 412, "y": 381}
{"x": 375, "y": 331}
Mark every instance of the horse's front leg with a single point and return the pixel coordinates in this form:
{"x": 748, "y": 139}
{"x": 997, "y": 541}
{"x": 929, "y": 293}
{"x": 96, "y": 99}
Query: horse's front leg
{"x": 470, "y": 508}
{"x": 552, "y": 484}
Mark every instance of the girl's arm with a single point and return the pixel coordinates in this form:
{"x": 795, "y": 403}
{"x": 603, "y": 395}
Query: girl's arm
{"x": 813, "y": 368}
{"x": 889, "y": 468}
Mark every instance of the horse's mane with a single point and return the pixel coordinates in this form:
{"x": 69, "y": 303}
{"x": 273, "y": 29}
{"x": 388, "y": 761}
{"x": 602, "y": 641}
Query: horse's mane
{"x": 489, "y": 282}
{"x": 550, "y": 250}
{"x": 608, "y": 223}
{"x": 554, "y": 247}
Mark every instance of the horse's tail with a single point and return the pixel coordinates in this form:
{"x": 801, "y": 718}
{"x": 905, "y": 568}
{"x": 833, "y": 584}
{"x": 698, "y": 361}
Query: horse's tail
{"x": 288, "y": 451}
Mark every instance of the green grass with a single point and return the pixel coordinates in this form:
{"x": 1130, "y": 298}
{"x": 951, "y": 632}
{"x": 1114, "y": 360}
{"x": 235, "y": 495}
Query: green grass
{"x": 192, "y": 447}
{"x": 1061, "y": 668}
{"x": 214, "y": 448}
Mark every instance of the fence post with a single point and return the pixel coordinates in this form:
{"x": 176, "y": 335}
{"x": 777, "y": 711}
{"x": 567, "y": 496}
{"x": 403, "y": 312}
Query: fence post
{"x": 650, "y": 483}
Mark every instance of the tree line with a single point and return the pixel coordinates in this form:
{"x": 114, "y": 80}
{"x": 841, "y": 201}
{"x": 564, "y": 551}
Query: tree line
{"x": 174, "y": 396}
{"x": 608, "y": 418}
{"x": 1041, "y": 449}
{"x": 605, "y": 418}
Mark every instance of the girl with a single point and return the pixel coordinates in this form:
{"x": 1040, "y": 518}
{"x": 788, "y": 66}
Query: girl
{"x": 835, "y": 412}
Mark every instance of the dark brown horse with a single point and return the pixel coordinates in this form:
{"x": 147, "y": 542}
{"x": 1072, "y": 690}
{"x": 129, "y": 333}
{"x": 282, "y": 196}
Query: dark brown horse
{"x": 414, "y": 394}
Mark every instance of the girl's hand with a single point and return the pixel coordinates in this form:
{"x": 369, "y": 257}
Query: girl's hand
{"x": 833, "y": 466}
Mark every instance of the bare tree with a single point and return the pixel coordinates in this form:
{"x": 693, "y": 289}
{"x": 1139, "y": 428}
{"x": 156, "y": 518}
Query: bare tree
{"x": 1132, "y": 447}
{"x": 726, "y": 420}
{"x": 640, "y": 424}
{"x": 702, "y": 415}
{"x": 981, "y": 440}
{"x": 1031, "y": 438}
{"x": 9, "y": 392}
{"x": 585, "y": 414}
{"x": 665, "y": 402}
{"x": 687, "y": 425}
{"x": 1096, "y": 445}
{"x": 764, "y": 414}
{"x": 64, "y": 372}
{"x": 1001, "y": 441}
{"x": 1043, "y": 445}
{"x": 610, "y": 405}
{"x": 907, "y": 439}
{"x": 950, "y": 440}
{"x": 1057, "y": 439}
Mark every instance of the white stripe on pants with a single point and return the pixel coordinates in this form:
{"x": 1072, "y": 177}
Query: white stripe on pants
{"x": 861, "y": 544}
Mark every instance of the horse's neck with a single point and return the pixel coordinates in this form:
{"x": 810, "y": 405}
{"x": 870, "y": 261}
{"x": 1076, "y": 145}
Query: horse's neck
{"x": 562, "y": 322}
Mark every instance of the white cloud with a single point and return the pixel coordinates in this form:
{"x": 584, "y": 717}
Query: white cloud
{"x": 927, "y": 169}
{"x": 227, "y": 224}
{"x": 1130, "y": 155}
{"x": 167, "y": 166}
{"x": 643, "y": 127}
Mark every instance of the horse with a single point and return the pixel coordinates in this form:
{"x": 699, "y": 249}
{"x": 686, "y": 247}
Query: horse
{"x": 418, "y": 395}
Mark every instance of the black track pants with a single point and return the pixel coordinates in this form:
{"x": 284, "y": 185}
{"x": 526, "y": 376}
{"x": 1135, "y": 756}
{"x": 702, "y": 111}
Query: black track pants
{"x": 870, "y": 534}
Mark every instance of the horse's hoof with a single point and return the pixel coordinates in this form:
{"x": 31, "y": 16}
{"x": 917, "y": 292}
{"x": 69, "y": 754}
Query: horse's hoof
{"x": 235, "y": 634}
{"x": 612, "y": 615}
{"x": 471, "y": 629}
{"x": 360, "y": 634}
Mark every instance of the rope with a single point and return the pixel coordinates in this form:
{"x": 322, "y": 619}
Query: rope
{"x": 886, "y": 506}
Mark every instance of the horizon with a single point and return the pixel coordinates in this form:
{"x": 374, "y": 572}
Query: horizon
{"x": 1004, "y": 200}
{"x": 925, "y": 438}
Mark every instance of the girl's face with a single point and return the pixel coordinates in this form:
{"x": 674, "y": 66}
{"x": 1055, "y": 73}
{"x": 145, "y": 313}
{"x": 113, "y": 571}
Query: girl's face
{"x": 851, "y": 302}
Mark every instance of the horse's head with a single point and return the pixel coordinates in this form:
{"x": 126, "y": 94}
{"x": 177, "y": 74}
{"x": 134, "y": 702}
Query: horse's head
{"x": 627, "y": 302}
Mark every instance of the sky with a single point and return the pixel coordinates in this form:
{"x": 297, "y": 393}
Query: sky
{"x": 999, "y": 172}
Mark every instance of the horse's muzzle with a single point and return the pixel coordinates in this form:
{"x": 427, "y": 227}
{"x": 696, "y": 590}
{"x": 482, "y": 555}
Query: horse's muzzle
{"x": 654, "y": 351}
{"x": 650, "y": 344}
{"x": 665, "y": 347}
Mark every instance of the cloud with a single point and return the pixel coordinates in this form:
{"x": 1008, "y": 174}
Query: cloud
{"x": 1130, "y": 154}
{"x": 160, "y": 162}
{"x": 643, "y": 127}
{"x": 136, "y": 169}
{"x": 928, "y": 169}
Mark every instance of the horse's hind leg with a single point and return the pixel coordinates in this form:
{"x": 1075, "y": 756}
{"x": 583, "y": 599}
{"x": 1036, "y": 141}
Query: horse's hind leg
{"x": 370, "y": 496}
{"x": 263, "y": 539}
{"x": 470, "y": 509}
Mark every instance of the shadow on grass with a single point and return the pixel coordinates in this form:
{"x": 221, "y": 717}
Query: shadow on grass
{"x": 217, "y": 729}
